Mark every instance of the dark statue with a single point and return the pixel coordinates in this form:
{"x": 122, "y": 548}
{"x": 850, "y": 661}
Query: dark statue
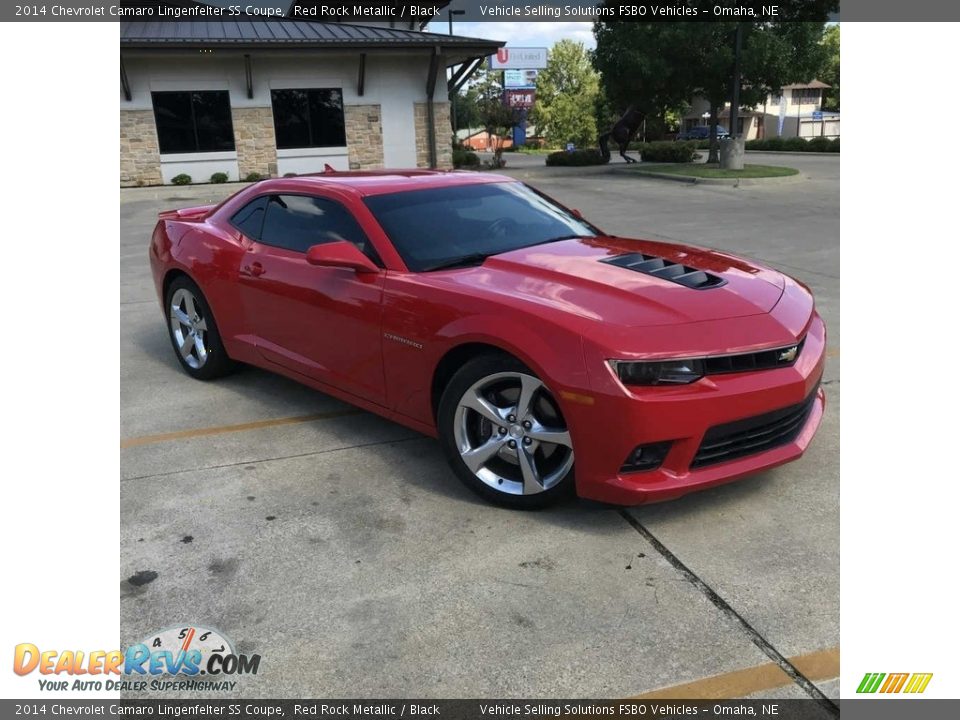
{"x": 622, "y": 133}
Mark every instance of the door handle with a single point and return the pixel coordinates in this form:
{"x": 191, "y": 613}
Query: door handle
{"x": 253, "y": 269}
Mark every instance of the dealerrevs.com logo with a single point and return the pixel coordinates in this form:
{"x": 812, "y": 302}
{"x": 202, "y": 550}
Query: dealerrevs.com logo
{"x": 175, "y": 659}
{"x": 910, "y": 683}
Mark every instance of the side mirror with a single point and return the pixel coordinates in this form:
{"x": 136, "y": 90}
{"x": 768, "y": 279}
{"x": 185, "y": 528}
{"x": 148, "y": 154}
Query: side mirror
{"x": 341, "y": 254}
{"x": 576, "y": 213}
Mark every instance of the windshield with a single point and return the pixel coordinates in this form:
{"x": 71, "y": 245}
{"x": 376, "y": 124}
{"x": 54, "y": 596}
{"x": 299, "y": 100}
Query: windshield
{"x": 444, "y": 227}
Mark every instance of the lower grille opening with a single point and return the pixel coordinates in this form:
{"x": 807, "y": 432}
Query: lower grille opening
{"x": 753, "y": 435}
{"x": 645, "y": 457}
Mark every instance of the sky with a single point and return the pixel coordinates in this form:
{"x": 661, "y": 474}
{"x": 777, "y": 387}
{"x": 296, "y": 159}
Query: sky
{"x": 521, "y": 34}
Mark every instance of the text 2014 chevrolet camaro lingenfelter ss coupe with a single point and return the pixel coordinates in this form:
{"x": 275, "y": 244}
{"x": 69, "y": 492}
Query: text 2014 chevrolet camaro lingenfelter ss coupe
{"x": 473, "y": 308}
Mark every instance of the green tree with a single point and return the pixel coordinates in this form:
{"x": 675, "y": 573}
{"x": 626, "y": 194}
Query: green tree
{"x": 484, "y": 83}
{"x": 830, "y": 72}
{"x": 567, "y": 91}
{"x": 657, "y": 67}
{"x": 642, "y": 64}
{"x": 480, "y": 105}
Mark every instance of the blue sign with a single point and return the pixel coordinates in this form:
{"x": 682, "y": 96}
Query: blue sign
{"x": 520, "y": 79}
{"x": 818, "y": 115}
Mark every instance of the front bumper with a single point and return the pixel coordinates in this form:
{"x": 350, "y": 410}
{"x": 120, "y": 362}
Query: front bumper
{"x": 614, "y": 422}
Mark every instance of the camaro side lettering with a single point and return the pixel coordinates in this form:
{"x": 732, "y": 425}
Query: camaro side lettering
{"x": 405, "y": 341}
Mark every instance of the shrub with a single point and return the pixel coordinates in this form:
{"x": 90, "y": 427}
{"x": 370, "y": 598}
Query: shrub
{"x": 820, "y": 144}
{"x": 576, "y": 158}
{"x": 219, "y": 177}
{"x": 638, "y": 145}
{"x": 181, "y": 179}
{"x": 254, "y": 177}
{"x": 465, "y": 158}
{"x": 666, "y": 150}
{"x": 289, "y": 174}
{"x": 669, "y": 152}
{"x": 795, "y": 144}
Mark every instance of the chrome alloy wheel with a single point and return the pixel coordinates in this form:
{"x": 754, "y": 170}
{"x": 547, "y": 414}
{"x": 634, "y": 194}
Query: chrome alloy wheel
{"x": 511, "y": 435}
{"x": 189, "y": 328}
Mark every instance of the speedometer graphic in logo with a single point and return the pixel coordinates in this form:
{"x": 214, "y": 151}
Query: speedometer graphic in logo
{"x": 191, "y": 639}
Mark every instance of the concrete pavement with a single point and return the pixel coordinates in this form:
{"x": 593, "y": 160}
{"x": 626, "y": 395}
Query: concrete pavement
{"x": 339, "y": 547}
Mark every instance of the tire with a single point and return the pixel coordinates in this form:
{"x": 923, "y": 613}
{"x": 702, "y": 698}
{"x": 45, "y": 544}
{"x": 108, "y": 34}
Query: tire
{"x": 494, "y": 419}
{"x": 193, "y": 332}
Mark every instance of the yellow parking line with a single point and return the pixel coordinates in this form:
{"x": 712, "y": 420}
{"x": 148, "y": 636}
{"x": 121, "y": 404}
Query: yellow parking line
{"x": 819, "y": 665}
{"x": 241, "y": 427}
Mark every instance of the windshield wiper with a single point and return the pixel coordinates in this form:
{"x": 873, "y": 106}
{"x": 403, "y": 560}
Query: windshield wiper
{"x": 559, "y": 238}
{"x": 462, "y": 261}
{"x": 478, "y": 258}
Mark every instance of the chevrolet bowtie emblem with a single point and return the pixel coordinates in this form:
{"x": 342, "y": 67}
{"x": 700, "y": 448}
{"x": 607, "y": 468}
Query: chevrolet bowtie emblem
{"x": 788, "y": 355}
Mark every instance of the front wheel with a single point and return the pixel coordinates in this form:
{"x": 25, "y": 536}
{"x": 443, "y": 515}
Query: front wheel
{"x": 504, "y": 435}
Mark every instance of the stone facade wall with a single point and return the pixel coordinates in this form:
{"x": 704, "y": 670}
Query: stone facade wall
{"x": 364, "y": 127}
{"x": 441, "y": 118}
{"x": 255, "y": 140}
{"x": 139, "y": 151}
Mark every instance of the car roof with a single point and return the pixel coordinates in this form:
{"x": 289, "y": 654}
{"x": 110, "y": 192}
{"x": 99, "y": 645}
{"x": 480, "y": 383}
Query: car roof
{"x": 378, "y": 182}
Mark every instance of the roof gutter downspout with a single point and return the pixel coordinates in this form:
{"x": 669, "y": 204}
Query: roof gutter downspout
{"x": 431, "y": 118}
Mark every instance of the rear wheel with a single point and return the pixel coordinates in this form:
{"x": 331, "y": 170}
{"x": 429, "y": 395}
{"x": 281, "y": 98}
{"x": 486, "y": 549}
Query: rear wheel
{"x": 504, "y": 435}
{"x": 193, "y": 332}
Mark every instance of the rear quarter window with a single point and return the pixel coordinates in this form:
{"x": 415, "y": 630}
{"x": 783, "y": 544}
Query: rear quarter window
{"x": 249, "y": 220}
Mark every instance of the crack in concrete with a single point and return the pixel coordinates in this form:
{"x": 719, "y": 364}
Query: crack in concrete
{"x": 724, "y": 607}
{"x": 271, "y": 459}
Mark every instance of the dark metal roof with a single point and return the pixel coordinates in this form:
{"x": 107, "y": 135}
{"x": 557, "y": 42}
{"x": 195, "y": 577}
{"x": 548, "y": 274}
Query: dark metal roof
{"x": 287, "y": 34}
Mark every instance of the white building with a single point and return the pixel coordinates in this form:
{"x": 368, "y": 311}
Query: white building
{"x": 282, "y": 97}
{"x": 795, "y": 112}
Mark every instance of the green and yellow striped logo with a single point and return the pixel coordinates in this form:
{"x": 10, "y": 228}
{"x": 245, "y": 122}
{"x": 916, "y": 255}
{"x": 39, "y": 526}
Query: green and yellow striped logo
{"x": 894, "y": 682}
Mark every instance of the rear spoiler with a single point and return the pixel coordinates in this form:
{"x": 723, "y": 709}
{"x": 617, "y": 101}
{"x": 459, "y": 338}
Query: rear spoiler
{"x": 190, "y": 214}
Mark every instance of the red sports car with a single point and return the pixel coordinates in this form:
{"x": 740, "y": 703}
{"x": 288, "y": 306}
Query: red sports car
{"x": 475, "y": 309}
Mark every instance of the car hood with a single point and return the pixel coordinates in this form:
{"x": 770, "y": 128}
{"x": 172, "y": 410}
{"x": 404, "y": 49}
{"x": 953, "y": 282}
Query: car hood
{"x": 570, "y": 276}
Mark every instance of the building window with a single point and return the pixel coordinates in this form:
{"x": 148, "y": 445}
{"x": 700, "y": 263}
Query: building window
{"x": 189, "y": 122}
{"x": 308, "y": 118}
{"x": 805, "y": 96}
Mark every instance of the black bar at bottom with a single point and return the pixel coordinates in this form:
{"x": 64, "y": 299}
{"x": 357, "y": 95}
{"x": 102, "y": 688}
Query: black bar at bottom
{"x": 417, "y": 709}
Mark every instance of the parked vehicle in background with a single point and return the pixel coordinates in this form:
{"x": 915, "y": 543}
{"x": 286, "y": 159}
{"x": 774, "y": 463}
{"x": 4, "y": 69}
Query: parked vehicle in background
{"x": 702, "y": 132}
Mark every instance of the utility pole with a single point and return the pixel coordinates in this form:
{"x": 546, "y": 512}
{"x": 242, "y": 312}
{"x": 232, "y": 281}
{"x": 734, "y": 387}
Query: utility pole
{"x": 735, "y": 101}
{"x": 731, "y": 150}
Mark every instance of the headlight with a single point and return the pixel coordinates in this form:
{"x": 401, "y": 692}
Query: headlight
{"x": 665, "y": 372}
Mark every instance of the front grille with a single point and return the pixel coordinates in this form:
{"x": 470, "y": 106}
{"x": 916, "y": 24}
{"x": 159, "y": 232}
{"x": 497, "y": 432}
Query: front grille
{"x": 744, "y": 362}
{"x": 753, "y": 435}
{"x": 667, "y": 270}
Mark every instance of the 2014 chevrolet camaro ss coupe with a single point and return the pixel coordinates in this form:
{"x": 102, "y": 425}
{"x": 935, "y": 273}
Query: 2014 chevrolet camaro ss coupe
{"x": 544, "y": 354}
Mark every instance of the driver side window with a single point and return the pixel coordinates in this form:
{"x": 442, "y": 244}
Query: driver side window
{"x": 297, "y": 222}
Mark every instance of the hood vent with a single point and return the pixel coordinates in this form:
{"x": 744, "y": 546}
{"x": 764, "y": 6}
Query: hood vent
{"x": 667, "y": 270}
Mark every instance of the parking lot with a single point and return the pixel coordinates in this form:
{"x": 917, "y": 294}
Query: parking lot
{"x": 339, "y": 546}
